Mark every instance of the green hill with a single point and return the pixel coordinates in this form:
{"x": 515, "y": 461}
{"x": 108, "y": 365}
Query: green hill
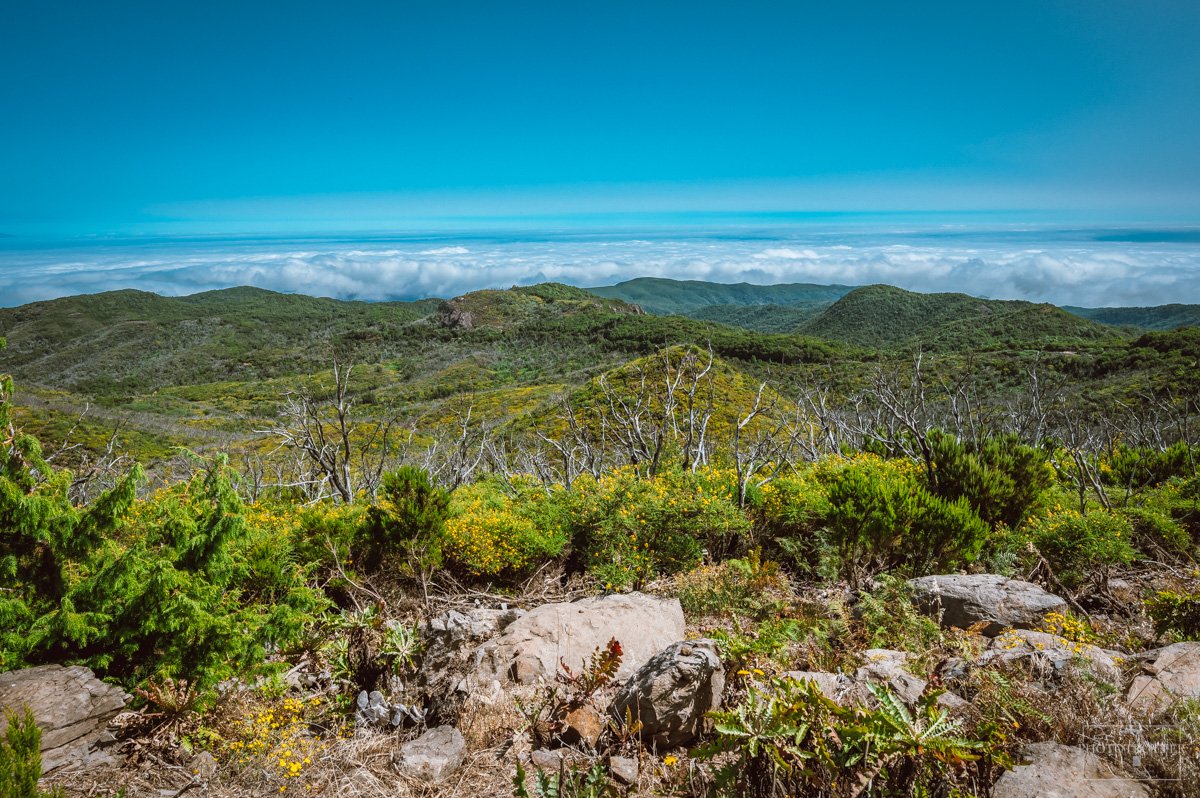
{"x": 885, "y": 317}
{"x": 682, "y": 297}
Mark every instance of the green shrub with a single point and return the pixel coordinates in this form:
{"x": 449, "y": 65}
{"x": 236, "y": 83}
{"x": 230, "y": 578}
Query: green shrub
{"x": 1084, "y": 548}
{"x": 1003, "y": 480}
{"x": 407, "y": 520}
{"x": 1175, "y": 614}
{"x": 21, "y": 758}
{"x": 627, "y": 530}
{"x": 883, "y": 519}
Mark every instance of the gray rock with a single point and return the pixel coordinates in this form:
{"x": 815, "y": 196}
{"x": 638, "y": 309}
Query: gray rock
{"x": 834, "y": 686}
{"x": 1173, "y": 673}
{"x": 1063, "y": 771}
{"x": 530, "y": 648}
{"x": 434, "y": 755}
{"x": 672, "y": 692}
{"x": 887, "y": 667}
{"x": 548, "y": 759}
{"x": 72, "y": 707}
{"x": 624, "y": 769}
{"x": 996, "y": 602}
{"x": 1052, "y": 654}
{"x": 376, "y": 711}
{"x": 450, "y": 642}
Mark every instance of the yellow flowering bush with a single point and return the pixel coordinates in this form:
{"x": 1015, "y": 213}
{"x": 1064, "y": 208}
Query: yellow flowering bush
{"x": 492, "y": 535}
{"x": 274, "y": 739}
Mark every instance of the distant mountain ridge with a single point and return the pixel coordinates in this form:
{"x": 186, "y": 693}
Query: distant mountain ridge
{"x": 799, "y": 307}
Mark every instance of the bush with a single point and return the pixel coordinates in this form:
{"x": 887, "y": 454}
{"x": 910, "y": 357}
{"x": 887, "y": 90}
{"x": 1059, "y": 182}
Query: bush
{"x": 627, "y": 530}
{"x": 491, "y": 534}
{"x": 1003, "y": 480}
{"x": 1176, "y": 614}
{"x": 407, "y": 520}
{"x": 746, "y": 586}
{"x": 21, "y": 758}
{"x": 1083, "y": 548}
{"x": 882, "y": 519}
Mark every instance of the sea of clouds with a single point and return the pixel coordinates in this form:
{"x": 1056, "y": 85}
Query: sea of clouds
{"x": 1041, "y": 266}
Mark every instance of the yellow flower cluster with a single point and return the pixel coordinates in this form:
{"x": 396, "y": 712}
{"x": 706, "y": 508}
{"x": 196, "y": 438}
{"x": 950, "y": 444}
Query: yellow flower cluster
{"x": 276, "y": 738}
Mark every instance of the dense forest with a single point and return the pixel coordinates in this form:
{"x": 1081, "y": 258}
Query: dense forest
{"x": 346, "y": 548}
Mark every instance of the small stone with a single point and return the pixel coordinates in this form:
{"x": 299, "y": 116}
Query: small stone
{"x": 673, "y": 692}
{"x": 624, "y": 769}
{"x": 583, "y": 725}
{"x": 434, "y": 755}
{"x": 203, "y": 766}
{"x": 546, "y": 759}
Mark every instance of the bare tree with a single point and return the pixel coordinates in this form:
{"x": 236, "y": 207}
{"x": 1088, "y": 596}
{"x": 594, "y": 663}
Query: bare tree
{"x": 344, "y": 453}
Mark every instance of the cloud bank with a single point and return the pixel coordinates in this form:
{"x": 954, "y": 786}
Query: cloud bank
{"x": 1064, "y": 269}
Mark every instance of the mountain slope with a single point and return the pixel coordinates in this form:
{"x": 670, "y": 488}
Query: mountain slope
{"x": 885, "y": 317}
{"x": 681, "y": 297}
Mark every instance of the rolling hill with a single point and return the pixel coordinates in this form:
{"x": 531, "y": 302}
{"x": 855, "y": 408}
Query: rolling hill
{"x": 684, "y": 297}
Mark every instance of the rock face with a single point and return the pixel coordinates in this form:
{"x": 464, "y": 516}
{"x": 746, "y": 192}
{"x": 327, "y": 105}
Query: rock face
{"x": 1063, "y": 771}
{"x": 450, "y": 642}
{"x": 434, "y": 755}
{"x": 672, "y": 692}
{"x": 997, "y": 601}
{"x": 72, "y": 708}
{"x": 1173, "y": 673}
{"x": 530, "y": 648}
{"x": 1053, "y": 654}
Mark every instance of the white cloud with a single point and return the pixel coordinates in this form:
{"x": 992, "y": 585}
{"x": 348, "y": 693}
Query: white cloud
{"x": 1060, "y": 269}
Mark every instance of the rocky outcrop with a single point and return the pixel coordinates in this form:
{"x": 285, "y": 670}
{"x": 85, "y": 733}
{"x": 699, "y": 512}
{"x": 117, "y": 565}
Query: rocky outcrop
{"x": 450, "y": 643}
{"x": 671, "y": 693}
{"x": 1052, "y": 654}
{"x": 1063, "y": 771}
{"x": 72, "y": 708}
{"x": 434, "y": 755}
{"x": 530, "y": 648}
{"x": 1171, "y": 673}
{"x": 995, "y": 602}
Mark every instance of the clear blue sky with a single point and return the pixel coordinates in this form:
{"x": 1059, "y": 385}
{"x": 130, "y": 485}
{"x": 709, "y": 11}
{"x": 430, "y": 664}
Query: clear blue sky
{"x": 255, "y": 115}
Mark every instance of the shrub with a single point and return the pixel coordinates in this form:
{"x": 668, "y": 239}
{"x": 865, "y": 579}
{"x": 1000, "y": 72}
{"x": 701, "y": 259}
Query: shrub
{"x": 1082, "y": 548}
{"x": 407, "y": 519}
{"x": 1176, "y": 614}
{"x": 882, "y": 519}
{"x": 790, "y": 512}
{"x": 627, "y": 530}
{"x": 1003, "y": 480}
{"x": 492, "y": 535}
{"x": 21, "y": 758}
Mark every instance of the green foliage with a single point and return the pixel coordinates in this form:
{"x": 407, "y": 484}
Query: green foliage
{"x": 762, "y": 645}
{"x": 887, "y": 618}
{"x": 1175, "y": 614}
{"x": 1084, "y": 548}
{"x": 626, "y": 529}
{"x": 567, "y": 783}
{"x": 1003, "y": 481}
{"x": 179, "y": 586}
{"x": 493, "y": 534}
{"x": 407, "y": 519}
{"x": 883, "y": 519}
{"x": 788, "y": 738}
{"x": 21, "y": 758}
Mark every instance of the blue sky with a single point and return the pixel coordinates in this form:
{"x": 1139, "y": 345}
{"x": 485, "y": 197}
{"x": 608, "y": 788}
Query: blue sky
{"x": 228, "y": 117}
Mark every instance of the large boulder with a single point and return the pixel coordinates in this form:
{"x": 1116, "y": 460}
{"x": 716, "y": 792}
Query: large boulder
{"x": 450, "y": 644}
{"x": 1052, "y": 654}
{"x": 1053, "y": 770}
{"x": 434, "y": 755}
{"x": 530, "y": 648}
{"x": 672, "y": 692}
{"x": 1171, "y": 673}
{"x": 995, "y": 602}
{"x": 72, "y": 708}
